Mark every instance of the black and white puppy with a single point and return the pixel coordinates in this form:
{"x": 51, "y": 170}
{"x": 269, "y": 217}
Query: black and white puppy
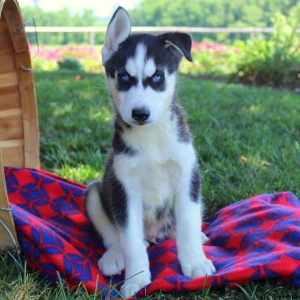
{"x": 151, "y": 186}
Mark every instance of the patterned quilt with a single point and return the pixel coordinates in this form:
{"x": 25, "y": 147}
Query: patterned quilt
{"x": 250, "y": 240}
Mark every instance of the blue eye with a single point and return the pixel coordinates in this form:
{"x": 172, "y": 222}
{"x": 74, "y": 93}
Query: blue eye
{"x": 124, "y": 77}
{"x": 157, "y": 78}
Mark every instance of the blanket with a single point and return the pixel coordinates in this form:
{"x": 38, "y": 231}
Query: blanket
{"x": 250, "y": 240}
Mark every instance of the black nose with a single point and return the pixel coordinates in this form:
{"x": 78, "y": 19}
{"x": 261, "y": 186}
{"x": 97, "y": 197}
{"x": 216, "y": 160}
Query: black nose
{"x": 140, "y": 114}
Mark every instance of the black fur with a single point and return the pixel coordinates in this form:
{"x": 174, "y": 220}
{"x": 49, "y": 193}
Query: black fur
{"x": 113, "y": 196}
{"x": 118, "y": 144}
{"x": 162, "y": 211}
{"x": 111, "y": 191}
{"x": 125, "y": 86}
{"x": 155, "y": 86}
{"x": 181, "y": 40}
{"x": 120, "y": 122}
{"x": 183, "y": 132}
{"x": 164, "y": 57}
{"x": 195, "y": 184}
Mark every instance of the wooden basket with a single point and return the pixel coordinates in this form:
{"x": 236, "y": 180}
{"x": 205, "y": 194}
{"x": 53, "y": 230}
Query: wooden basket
{"x": 19, "y": 140}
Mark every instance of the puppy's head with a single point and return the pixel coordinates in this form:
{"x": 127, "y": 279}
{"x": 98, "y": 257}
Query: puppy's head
{"x": 141, "y": 69}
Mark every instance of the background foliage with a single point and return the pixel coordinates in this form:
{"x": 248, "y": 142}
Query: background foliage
{"x": 268, "y": 59}
{"x": 63, "y": 17}
{"x": 201, "y": 13}
{"x": 273, "y": 61}
{"x": 213, "y": 13}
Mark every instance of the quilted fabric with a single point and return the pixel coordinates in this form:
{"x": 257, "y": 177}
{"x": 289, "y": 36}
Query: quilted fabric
{"x": 250, "y": 240}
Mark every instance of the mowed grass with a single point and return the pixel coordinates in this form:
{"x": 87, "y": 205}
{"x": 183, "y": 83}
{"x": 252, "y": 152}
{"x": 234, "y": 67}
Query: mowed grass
{"x": 247, "y": 139}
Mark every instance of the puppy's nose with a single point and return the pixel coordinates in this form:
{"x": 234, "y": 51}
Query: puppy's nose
{"x": 140, "y": 114}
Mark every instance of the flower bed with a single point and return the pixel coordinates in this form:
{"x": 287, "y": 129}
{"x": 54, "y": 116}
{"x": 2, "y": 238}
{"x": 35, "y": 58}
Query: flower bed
{"x": 46, "y": 58}
{"x": 208, "y": 58}
{"x": 211, "y": 59}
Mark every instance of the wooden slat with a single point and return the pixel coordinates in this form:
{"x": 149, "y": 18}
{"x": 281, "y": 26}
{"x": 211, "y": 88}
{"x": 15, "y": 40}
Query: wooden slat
{"x": 11, "y": 143}
{"x": 9, "y": 98}
{"x": 13, "y": 156}
{"x": 7, "y": 62}
{"x": 29, "y": 110}
{"x": 5, "y": 41}
{"x": 8, "y": 79}
{"x": 3, "y": 26}
{"x": 5, "y": 215}
{"x": 4, "y": 51}
{"x": 10, "y": 112}
{"x": 10, "y": 124}
{"x": 15, "y": 26}
{"x": 11, "y": 128}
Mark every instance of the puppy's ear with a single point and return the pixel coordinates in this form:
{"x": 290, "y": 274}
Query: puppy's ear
{"x": 179, "y": 42}
{"x": 117, "y": 31}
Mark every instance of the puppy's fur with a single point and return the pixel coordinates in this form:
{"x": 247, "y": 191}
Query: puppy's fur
{"x": 151, "y": 186}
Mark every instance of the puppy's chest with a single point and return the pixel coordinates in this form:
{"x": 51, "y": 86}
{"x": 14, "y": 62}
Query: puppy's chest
{"x": 158, "y": 177}
{"x": 157, "y": 171}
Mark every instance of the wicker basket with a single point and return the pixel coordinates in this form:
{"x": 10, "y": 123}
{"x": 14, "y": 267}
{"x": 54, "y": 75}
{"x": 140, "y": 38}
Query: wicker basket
{"x": 19, "y": 142}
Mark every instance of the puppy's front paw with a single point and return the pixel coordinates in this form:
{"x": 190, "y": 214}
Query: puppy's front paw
{"x": 193, "y": 269}
{"x": 111, "y": 262}
{"x": 132, "y": 285}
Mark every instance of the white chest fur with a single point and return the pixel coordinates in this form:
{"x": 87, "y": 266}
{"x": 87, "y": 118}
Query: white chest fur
{"x": 154, "y": 171}
{"x": 154, "y": 167}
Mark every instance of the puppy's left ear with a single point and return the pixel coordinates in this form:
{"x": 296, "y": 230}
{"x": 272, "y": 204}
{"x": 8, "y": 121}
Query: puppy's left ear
{"x": 179, "y": 42}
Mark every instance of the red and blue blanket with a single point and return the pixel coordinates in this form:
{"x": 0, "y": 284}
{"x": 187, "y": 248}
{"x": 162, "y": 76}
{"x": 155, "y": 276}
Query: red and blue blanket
{"x": 250, "y": 240}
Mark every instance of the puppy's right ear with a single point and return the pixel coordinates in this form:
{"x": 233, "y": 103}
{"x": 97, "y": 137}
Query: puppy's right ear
{"x": 117, "y": 31}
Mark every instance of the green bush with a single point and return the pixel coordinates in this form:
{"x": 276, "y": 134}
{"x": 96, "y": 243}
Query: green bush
{"x": 69, "y": 64}
{"x": 273, "y": 60}
{"x": 212, "y": 60}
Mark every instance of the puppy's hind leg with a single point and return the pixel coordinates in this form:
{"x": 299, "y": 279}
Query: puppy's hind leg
{"x": 112, "y": 261}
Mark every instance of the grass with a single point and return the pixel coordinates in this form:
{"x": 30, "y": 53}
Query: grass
{"x": 247, "y": 140}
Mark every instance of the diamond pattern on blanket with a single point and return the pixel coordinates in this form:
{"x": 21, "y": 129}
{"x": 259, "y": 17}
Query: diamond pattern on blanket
{"x": 249, "y": 240}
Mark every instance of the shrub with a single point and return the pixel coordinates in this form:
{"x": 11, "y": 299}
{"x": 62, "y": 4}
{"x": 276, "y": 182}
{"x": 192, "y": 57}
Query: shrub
{"x": 72, "y": 57}
{"x": 210, "y": 59}
{"x": 69, "y": 64}
{"x": 273, "y": 60}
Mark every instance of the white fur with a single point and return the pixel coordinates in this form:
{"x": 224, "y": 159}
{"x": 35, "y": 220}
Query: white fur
{"x": 140, "y": 66}
{"x": 138, "y": 96}
{"x": 158, "y": 173}
{"x": 135, "y": 66}
{"x": 149, "y": 68}
{"x": 112, "y": 262}
{"x": 117, "y": 31}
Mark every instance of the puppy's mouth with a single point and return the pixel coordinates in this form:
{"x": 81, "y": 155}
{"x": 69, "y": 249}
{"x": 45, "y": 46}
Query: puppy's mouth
{"x": 141, "y": 123}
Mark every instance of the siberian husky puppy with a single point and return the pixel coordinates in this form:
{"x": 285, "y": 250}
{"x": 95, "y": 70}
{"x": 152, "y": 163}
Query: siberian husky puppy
{"x": 151, "y": 186}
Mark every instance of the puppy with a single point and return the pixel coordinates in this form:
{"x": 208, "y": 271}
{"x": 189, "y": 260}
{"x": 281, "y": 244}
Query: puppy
{"x": 151, "y": 186}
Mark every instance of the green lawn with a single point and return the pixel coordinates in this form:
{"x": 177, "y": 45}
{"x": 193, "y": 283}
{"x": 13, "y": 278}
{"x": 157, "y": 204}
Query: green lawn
{"x": 248, "y": 141}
